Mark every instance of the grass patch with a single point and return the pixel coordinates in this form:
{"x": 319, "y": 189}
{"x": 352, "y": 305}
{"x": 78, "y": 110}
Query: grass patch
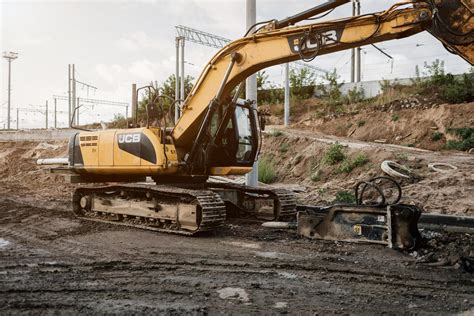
{"x": 284, "y": 148}
{"x": 360, "y": 123}
{"x": 465, "y": 136}
{"x": 334, "y": 155}
{"x": 437, "y": 136}
{"x": 348, "y": 165}
{"x": 266, "y": 170}
{"x": 345, "y": 197}
{"x": 276, "y": 133}
{"x": 395, "y": 117}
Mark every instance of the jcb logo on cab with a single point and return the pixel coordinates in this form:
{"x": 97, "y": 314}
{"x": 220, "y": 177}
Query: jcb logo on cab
{"x": 128, "y": 138}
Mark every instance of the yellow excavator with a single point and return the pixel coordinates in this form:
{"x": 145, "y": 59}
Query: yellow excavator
{"x": 220, "y": 135}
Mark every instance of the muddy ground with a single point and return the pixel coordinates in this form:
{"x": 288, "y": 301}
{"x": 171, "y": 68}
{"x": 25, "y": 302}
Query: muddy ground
{"x": 52, "y": 263}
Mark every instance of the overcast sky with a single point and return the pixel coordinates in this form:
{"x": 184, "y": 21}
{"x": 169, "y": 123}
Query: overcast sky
{"x": 116, "y": 43}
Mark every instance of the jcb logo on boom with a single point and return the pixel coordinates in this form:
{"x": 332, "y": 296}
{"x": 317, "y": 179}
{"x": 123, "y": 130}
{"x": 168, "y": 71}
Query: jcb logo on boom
{"x": 128, "y": 138}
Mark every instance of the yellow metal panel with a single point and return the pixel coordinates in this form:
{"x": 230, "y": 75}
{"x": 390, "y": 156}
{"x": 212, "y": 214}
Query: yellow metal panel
{"x": 227, "y": 171}
{"x": 89, "y": 144}
{"x": 121, "y": 157}
{"x": 106, "y": 148}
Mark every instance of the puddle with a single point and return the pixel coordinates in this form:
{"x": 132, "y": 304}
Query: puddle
{"x": 233, "y": 293}
{"x": 281, "y": 305}
{"x": 241, "y": 244}
{"x": 3, "y": 243}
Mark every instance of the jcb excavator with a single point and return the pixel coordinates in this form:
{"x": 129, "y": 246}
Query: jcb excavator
{"x": 219, "y": 135}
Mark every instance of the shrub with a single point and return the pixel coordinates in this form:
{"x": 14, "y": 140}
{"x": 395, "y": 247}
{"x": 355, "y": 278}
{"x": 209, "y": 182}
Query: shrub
{"x": 466, "y": 138}
{"x": 276, "y": 133}
{"x": 345, "y": 197}
{"x": 284, "y": 148}
{"x": 315, "y": 176}
{"x": 334, "y": 154}
{"x": 360, "y": 123}
{"x": 436, "y": 136}
{"x": 360, "y": 160}
{"x": 266, "y": 170}
{"x": 331, "y": 89}
{"x": 395, "y": 117}
{"x": 348, "y": 165}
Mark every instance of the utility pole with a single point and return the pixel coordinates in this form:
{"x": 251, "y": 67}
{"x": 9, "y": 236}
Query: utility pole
{"x": 46, "y": 114}
{"x": 353, "y": 49}
{"x": 359, "y": 76}
{"x": 176, "y": 83}
{"x": 251, "y": 86}
{"x": 134, "y": 105}
{"x": 69, "y": 96}
{"x": 55, "y": 114}
{"x": 182, "y": 97}
{"x": 10, "y": 56}
{"x": 287, "y": 95}
{"x": 73, "y": 86}
{"x": 77, "y": 111}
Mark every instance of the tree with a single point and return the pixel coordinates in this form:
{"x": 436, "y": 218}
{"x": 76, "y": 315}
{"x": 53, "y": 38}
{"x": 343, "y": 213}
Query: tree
{"x": 332, "y": 89}
{"x": 262, "y": 80}
{"x": 167, "y": 88}
{"x": 302, "y": 82}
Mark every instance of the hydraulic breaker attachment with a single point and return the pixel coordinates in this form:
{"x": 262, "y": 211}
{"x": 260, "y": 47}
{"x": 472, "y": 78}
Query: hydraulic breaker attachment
{"x": 392, "y": 225}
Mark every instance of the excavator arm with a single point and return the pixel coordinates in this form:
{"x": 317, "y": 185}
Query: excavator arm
{"x": 450, "y": 21}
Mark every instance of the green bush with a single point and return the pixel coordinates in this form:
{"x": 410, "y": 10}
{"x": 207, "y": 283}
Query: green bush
{"x": 360, "y": 123}
{"x": 437, "y": 136}
{"x": 276, "y": 133}
{"x": 360, "y": 160}
{"x": 266, "y": 170}
{"x": 348, "y": 165}
{"x": 395, "y": 117}
{"x": 345, "y": 197}
{"x": 334, "y": 154}
{"x": 466, "y": 138}
{"x": 315, "y": 176}
{"x": 284, "y": 148}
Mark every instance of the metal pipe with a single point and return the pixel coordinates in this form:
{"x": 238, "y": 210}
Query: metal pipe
{"x": 134, "y": 105}
{"x": 17, "y": 118}
{"x": 52, "y": 161}
{"x": 308, "y": 13}
{"x": 287, "y": 95}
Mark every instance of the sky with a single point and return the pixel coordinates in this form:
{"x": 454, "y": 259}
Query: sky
{"x": 116, "y": 43}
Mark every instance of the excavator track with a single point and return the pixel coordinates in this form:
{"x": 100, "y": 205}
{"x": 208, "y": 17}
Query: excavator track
{"x": 152, "y": 207}
{"x": 281, "y": 202}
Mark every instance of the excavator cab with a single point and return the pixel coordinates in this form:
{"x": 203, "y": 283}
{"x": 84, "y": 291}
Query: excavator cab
{"x": 235, "y": 136}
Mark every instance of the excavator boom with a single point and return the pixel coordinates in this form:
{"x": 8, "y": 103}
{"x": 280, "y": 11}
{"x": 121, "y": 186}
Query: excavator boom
{"x": 450, "y": 21}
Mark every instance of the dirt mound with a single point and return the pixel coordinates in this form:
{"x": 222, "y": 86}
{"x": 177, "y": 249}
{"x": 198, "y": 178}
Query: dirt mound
{"x": 298, "y": 157}
{"x": 22, "y": 176}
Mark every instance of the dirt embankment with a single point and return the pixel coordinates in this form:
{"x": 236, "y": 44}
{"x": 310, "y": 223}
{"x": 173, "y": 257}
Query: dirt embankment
{"x": 298, "y": 158}
{"x": 408, "y": 122}
{"x": 21, "y": 176}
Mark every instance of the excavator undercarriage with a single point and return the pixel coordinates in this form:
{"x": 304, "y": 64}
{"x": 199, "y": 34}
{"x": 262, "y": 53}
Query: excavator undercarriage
{"x": 183, "y": 210}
